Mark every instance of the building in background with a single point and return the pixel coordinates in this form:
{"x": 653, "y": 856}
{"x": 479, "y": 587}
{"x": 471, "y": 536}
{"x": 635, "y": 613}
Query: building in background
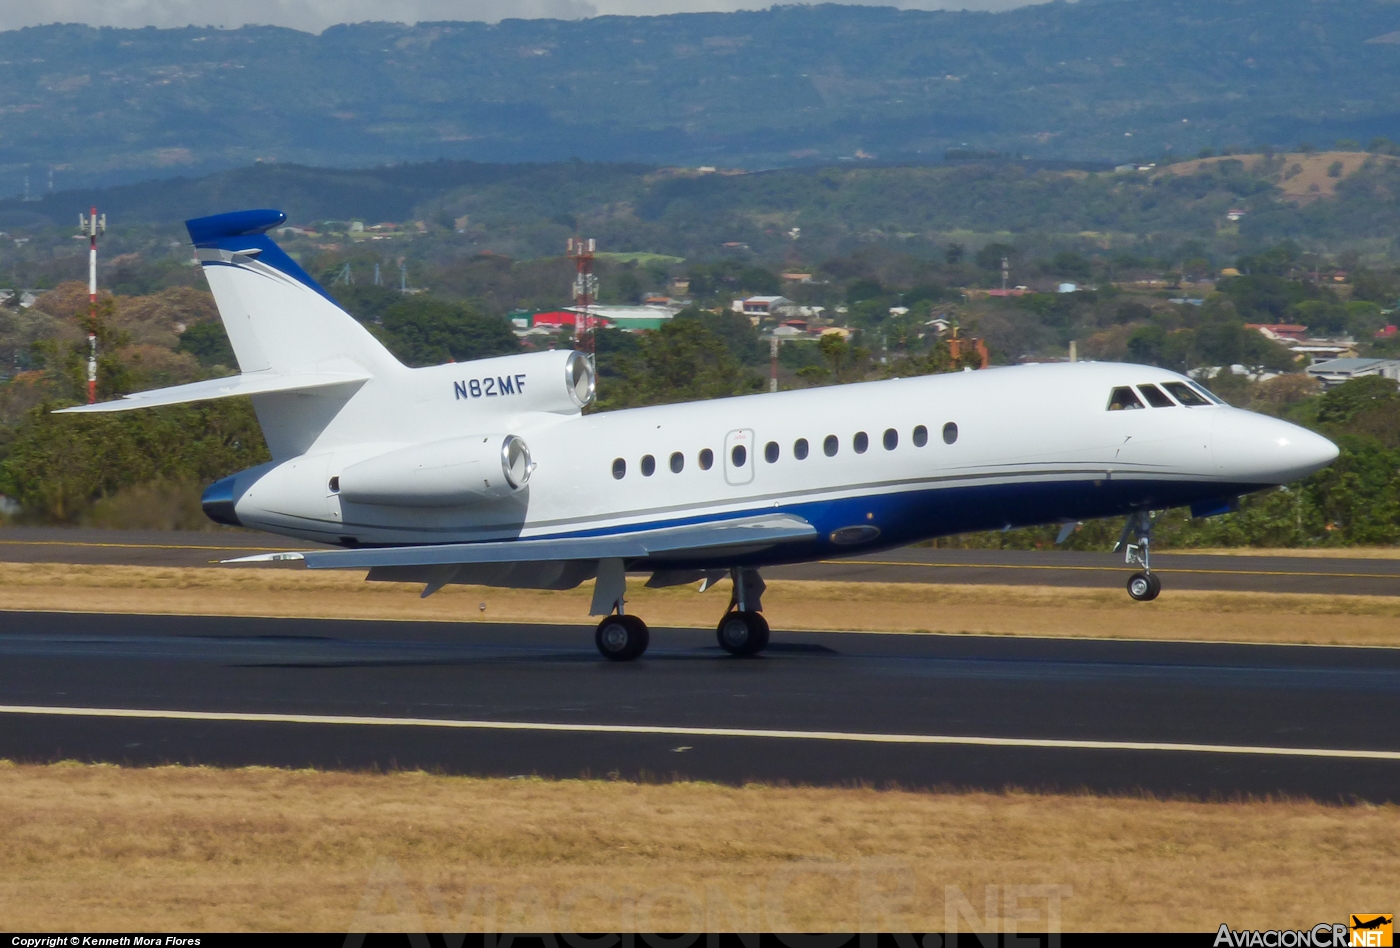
{"x": 1336, "y": 371}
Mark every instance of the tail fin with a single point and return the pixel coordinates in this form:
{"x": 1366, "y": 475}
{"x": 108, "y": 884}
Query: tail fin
{"x": 303, "y": 358}
{"x": 277, "y": 317}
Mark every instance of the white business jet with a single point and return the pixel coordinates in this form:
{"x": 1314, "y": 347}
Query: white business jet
{"x": 488, "y": 472}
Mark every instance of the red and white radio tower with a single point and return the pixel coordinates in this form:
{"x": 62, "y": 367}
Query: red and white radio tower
{"x": 585, "y": 292}
{"x": 92, "y": 225}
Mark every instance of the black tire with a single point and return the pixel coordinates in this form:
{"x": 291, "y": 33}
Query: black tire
{"x": 1144, "y": 587}
{"x": 742, "y": 633}
{"x": 760, "y": 641}
{"x": 622, "y": 638}
{"x": 1156, "y": 582}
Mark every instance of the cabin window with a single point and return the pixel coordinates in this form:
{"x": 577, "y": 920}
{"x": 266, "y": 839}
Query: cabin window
{"x": 739, "y": 456}
{"x": 1155, "y": 397}
{"x": 677, "y": 463}
{"x": 860, "y": 442}
{"x": 707, "y": 459}
{"x": 770, "y": 452}
{"x": 799, "y": 449}
{"x": 648, "y": 466}
{"x": 830, "y": 446}
{"x": 1185, "y": 394}
{"x": 920, "y": 436}
{"x": 891, "y": 439}
{"x": 950, "y": 433}
{"x": 619, "y": 468}
{"x": 1123, "y": 398}
{"x": 335, "y": 485}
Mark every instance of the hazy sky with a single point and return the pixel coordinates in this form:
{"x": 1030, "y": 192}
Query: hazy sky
{"x": 316, "y": 15}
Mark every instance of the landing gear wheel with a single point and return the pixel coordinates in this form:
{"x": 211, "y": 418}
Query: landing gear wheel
{"x": 1144, "y": 587}
{"x": 622, "y": 638}
{"x": 743, "y": 633}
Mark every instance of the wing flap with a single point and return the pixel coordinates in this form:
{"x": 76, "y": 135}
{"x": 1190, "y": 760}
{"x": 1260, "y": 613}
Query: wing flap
{"x": 739, "y": 533}
{"x": 253, "y": 383}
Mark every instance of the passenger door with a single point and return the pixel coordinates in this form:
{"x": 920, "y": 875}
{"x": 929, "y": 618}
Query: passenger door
{"x": 738, "y": 457}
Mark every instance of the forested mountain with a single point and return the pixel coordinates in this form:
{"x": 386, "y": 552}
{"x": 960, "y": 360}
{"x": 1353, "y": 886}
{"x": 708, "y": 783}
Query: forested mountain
{"x": 1329, "y": 202}
{"x": 1094, "y": 80}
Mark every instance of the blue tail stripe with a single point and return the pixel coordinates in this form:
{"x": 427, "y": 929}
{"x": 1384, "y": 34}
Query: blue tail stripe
{"x": 247, "y": 230}
{"x": 204, "y": 231}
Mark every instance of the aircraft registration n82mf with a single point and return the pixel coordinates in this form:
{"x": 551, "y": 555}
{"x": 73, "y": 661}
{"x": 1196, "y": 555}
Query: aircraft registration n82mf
{"x": 488, "y": 472}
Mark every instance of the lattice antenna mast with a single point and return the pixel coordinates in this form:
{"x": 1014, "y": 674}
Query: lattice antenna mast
{"x": 581, "y": 252}
{"x": 92, "y": 226}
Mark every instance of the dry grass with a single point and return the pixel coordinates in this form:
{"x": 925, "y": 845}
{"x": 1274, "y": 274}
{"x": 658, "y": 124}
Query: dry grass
{"x": 1303, "y": 177}
{"x": 99, "y": 848}
{"x": 789, "y": 605}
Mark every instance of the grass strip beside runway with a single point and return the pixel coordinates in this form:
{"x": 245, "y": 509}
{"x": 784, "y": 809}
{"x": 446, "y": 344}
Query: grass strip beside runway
{"x": 789, "y": 605}
{"x": 99, "y": 848}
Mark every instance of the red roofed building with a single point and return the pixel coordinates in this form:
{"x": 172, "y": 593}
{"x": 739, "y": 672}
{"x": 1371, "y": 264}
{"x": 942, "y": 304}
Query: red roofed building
{"x": 558, "y": 319}
{"x": 1280, "y": 332}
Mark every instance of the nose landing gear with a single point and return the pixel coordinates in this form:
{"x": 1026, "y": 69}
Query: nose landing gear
{"x": 1145, "y": 585}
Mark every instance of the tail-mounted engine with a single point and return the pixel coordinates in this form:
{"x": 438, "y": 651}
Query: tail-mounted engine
{"x": 557, "y": 381}
{"x": 441, "y": 473}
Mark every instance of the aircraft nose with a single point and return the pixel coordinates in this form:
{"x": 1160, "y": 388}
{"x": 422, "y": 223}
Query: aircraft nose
{"x": 1257, "y": 449}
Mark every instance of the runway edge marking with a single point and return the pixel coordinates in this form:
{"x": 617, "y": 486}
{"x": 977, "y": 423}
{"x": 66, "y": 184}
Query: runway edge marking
{"x": 643, "y": 729}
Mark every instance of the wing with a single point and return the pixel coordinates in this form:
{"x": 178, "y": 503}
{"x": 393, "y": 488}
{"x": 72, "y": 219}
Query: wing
{"x": 738, "y": 535}
{"x": 253, "y": 383}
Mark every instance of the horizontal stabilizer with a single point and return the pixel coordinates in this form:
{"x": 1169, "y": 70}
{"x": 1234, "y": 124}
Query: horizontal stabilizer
{"x": 740, "y": 533}
{"x": 252, "y": 383}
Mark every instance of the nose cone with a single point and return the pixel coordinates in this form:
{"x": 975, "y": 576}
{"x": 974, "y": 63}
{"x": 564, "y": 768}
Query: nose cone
{"x": 1257, "y": 449}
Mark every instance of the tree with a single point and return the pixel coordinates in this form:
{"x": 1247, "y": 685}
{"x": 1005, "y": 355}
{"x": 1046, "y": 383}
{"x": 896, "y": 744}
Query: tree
{"x": 739, "y": 334}
{"x": 990, "y": 256}
{"x": 681, "y": 361}
{"x": 58, "y": 464}
{"x": 1342, "y": 404}
{"x": 845, "y": 362}
{"x": 421, "y": 330}
{"x": 208, "y": 343}
{"x": 366, "y": 302}
{"x": 864, "y": 289}
{"x": 1069, "y": 263}
{"x": 954, "y": 253}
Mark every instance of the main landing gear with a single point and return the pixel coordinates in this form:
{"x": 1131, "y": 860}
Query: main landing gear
{"x": 743, "y": 630}
{"x": 622, "y": 638}
{"x": 1145, "y": 585}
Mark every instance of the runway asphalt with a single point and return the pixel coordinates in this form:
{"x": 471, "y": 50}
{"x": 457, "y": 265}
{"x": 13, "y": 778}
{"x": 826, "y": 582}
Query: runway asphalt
{"x": 1201, "y": 720}
{"x": 1374, "y": 577}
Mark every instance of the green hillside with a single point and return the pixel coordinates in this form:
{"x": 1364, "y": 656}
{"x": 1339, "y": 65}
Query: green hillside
{"x": 1102, "y": 80}
{"x": 527, "y": 211}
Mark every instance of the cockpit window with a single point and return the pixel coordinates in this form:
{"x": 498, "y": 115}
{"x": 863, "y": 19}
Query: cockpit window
{"x": 1201, "y": 389}
{"x": 1123, "y": 398}
{"x": 1155, "y": 398}
{"x": 1185, "y": 394}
